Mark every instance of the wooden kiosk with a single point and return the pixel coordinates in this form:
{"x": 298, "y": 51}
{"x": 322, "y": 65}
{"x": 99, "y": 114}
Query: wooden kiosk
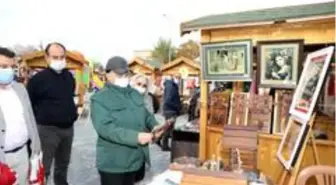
{"x": 314, "y": 23}
{"x": 75, "y": 61}
{"x": 187, "y": 68}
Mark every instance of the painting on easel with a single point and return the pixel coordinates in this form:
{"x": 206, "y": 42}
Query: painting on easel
{"x": 291, "y": 143}
{"x": 311, "y": 81}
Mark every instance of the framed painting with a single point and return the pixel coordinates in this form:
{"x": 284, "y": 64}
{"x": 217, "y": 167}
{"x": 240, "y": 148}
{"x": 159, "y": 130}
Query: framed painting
{"x": 282, "y": 101}
{"x": 279, "y": 63}
{"x": 227, "y": 61}
{"x": 291, "y": 143}
{"x": 310, "y": 84}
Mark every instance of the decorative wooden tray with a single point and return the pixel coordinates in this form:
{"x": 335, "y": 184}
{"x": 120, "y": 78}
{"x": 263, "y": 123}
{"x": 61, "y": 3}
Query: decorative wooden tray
{"x": 219, "y": 108}
{"x": 196, "y": 176}
{"x": 238, "y": 108}
{"x": 260, "y": 112}
{"x": 282, "y": 101}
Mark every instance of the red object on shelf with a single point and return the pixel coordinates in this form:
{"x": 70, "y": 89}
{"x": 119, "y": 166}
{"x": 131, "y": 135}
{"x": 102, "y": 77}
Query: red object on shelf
{"x": 331, "y": 85}
{"x": 7, "y": 175}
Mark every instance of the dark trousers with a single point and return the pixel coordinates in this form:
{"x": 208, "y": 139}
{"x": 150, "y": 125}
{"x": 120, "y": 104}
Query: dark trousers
{"x": 56, "y": 145}
{"x": 140, "y": 174}
{"x": 127, "y": 178}
{"x": 166, "y": 135}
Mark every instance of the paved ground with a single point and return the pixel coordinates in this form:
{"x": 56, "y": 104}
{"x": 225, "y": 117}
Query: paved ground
{"x": 82, "y": 168}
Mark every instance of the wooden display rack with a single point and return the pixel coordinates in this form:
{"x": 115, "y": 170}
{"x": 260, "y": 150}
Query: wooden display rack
{"x": 290, "y": 177}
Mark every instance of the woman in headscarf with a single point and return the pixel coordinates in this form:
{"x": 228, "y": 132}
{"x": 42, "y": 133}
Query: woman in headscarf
{"x": 123, "y": 125}
{"x": 141, "y": 83}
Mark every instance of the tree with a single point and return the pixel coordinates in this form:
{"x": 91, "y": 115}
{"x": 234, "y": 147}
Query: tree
{"x": 189, "y": 49}
{"x": 162, "y": 50}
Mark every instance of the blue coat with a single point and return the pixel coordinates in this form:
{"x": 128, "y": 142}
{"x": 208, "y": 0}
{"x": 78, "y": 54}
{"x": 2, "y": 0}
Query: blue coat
{"x": 171, "y": 98}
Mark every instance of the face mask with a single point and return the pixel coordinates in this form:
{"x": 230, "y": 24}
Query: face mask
{"x": 176, "y": 81}
{"x": 121, "y": 82}
{"x": 140, "y": 89}
{"x": 6, "y": 76}
{"x": 57, "y": 65}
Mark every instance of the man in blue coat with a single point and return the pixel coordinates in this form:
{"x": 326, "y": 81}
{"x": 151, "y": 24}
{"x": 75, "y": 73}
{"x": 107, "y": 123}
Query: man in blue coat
{"x": 171, "y": 105}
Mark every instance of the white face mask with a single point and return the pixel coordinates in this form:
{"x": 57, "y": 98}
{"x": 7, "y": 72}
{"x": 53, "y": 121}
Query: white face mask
{"x": 58, "y": 65}
{"x": 140, "y": 89}
{"x": 176, "y": 81}
{"x": 121, "y": 82}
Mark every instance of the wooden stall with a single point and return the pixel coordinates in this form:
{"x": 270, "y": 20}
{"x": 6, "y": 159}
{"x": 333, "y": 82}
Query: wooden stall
{"x": 138, "y": 65}
{"x": 187, "y": 68}
{"x": 75, "y": 62}
{"x": 315, "y": 23}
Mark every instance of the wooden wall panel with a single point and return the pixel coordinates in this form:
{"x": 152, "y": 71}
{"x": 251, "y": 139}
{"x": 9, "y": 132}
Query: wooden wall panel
{"x": 313, "y": 32}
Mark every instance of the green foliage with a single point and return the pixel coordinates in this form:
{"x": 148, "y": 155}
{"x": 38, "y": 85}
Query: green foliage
{"x": 162, "y": 50}
{"x": 190, "y": 49}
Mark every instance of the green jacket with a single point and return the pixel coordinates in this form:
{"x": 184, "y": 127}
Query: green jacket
{"x": 118, "y": 115}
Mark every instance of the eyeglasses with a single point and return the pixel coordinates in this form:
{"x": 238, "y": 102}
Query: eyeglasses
{"x": 142, "y": 85}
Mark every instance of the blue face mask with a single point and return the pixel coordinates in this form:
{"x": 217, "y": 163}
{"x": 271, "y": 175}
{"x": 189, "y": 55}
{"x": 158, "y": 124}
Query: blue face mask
{"x": 6, "y": 76}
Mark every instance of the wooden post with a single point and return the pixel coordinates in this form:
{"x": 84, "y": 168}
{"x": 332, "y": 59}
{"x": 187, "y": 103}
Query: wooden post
{"x": 203, "y": 120}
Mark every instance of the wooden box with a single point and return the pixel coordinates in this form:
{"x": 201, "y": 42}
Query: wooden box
{"x": 243, "y": 138}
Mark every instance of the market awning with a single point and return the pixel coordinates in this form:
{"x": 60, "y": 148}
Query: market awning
{"x": 258, "y": 17}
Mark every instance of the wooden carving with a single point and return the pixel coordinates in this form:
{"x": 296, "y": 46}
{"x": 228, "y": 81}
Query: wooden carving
{"x": 260, "y": 111}
{"x": 282, "y": 102}
{"x": 219, "y": 108}
{"x": 238, "y": 108}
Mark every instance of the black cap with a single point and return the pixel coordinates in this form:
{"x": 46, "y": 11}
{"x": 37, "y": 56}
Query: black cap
{"x": 117, "y": 64}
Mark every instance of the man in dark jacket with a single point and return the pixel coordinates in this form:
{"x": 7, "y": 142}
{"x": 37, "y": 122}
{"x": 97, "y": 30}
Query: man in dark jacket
{"x": 171, "y": 105}
{"x": 52, "y": 96}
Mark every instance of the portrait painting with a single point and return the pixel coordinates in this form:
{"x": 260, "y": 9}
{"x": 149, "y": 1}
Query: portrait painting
{"x": 310, "y": 84}
{"x": 279, "y": 63}
{"x": 291, "y": 143}
{"x": 227, "y": 61}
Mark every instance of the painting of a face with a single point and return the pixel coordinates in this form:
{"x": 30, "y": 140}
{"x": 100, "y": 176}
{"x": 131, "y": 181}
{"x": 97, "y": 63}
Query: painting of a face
{"x": 279, "y": 63}
{"x": 280, "y": 60}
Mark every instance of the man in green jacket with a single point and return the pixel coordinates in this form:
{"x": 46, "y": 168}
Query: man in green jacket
{"x": 123, "y": 125}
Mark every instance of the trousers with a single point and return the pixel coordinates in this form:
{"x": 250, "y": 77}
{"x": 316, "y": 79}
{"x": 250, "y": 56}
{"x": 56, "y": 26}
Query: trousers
{"x": 19, "y": 162}
{"x": 56, "y": 146}
{"x": 127, "y": 178}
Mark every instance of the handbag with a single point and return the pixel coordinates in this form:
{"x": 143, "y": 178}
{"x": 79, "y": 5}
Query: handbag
{"x": 7, "y": 175}
{"x": 36, "y": 173}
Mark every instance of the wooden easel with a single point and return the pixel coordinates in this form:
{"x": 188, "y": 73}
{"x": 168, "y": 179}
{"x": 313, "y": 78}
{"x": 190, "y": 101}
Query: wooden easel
{"x": 293, "y": 173}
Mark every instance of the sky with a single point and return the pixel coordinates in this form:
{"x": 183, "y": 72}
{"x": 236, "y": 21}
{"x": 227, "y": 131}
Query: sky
{"x": 104, "y": 28}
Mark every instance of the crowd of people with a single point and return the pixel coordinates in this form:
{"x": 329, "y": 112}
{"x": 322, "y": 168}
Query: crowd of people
{"x": 39, "y": 119}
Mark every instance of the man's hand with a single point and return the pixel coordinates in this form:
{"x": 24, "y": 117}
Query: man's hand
{"x": 144, "y": 138}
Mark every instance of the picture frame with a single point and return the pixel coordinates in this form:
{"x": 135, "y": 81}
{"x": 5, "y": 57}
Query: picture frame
{"x": 310, "y": 84}
{"x": 279, "y": 63}
{"x": 291, "y": 143}
{"x": 227, "y": 61}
